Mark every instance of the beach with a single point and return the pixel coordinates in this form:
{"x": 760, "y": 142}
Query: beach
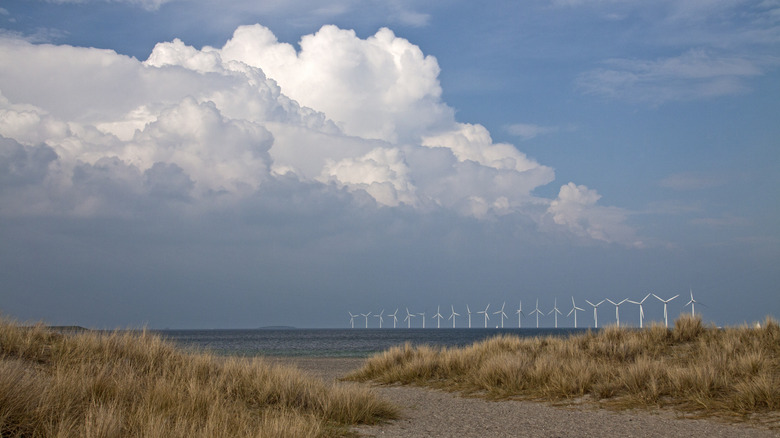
{"x": 434, "y": 413}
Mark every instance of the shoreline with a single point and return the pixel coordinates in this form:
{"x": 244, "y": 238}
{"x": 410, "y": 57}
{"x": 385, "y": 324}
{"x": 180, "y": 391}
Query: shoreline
{"x": 435, "y": 413}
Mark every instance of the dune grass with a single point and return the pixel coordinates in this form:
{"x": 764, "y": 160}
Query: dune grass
{"x": 731, "y": 373}
{"x": 94, "y": 384}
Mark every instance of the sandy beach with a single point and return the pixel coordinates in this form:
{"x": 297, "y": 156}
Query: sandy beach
{"x": 433, "y": 413}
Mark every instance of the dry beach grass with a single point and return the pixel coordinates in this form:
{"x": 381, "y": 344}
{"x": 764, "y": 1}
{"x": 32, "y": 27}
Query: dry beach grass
{"x": 125, "y": 384}
{"x": 731, "y": 373}
{"x": 93, "y": 384}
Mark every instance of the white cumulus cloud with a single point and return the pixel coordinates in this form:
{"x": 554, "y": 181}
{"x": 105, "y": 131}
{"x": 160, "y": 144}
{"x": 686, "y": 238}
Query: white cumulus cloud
{"x": 192, "y": 129}
{"x": 382, "y": 87}
{"x": 576, "y": 208}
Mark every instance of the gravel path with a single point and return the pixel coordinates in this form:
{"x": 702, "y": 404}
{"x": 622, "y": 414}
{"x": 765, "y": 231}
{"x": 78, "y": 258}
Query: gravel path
{"x": 434, "y": 413}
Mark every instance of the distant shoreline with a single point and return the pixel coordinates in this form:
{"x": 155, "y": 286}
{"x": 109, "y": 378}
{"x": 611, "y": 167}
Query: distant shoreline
{"x": 65, "y": 328}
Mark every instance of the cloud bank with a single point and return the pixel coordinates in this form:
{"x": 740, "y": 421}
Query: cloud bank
{"x": 150, "y": 5}
{"x": 200, "y": 130}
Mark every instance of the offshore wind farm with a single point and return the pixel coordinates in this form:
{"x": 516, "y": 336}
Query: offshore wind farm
{"x": 552, "y": 318}
{"x": 390, "y": 325}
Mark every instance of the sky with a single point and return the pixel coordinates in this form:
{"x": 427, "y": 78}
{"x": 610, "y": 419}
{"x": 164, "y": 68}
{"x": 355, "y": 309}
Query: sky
{"x": 240, "y": 164}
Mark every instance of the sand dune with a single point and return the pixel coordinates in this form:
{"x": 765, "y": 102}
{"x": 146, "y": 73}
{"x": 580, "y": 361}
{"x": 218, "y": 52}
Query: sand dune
{"x": 433, "y": 413}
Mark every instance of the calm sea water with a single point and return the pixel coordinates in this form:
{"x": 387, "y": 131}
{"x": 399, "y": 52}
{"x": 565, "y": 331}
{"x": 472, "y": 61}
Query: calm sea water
{"x": 336, "y": 342}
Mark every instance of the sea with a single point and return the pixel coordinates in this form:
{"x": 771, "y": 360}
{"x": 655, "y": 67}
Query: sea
{"x": 337, "y": 342}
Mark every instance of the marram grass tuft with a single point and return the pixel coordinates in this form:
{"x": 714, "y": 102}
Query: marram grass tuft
{"x": 94, "y": 384}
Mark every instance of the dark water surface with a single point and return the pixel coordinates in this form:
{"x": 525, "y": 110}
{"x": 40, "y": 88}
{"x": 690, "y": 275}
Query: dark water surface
{"x": 336, "y": 342}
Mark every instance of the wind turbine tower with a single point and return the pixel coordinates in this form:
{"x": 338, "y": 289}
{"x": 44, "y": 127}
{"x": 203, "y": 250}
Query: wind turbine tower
{"x": 595, "y": 312}
{"x": 469, "y": 312}
{"x": 423, "y": 318}
{"x": 487, "y": 317}
{"x": 692, "y": 303}
{"x": 380, "y": 316}
{"x": 395, "y": 318}
{"x": 408, "y": 318}
{"x": 666, "y": 317}
{"x": 617, "y": 309}
{"x": 537, "y": 312}
{"x": 366, "y": 316}
{"x": 352, "y": 319}
{"x": 520, "y": 315}
{"x": 438, "y": 317}
{"x": 453, "y": 315}
{"x": 556, "y": 312}
{"x": 641, "y": 310}
{"x": 502, "y": 314}
{"x": 574, "y": 310}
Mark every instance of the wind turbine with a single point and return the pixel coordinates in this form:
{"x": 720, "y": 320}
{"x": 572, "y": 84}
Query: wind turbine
{"x": 366, "y": 316}
{"x": 423, "y": 318}
{"x": 556, "y": 312}
{"x": 617, "y": 309}
{"x": 469, "y": 311}
{"x": 487, "y": 317}
{"x": 453, "y": 315}
{"x": 641, "y": 311}
{"x": 595, "y": 312}
{"x": 537, "y": 312}
{"x": 408, "y": 318}
{"x": 352, "y": 319}
{"x": 381, "y": 319}
{"x": 666, "y": 318}
{"x": 520, "y": 315}
{"x": 395, "y": 318}
{"x": 692, "y": 303}
{"x": 574, "y": 310}
{"x": 438, "y": 317}
{"x": 501, "y": 312}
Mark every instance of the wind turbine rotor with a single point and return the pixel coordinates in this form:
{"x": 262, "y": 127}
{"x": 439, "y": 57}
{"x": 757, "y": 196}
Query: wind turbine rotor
{"x": 453, "y": 315}
{"x": 666, "y": 318}
{"x": 520, "y": 315}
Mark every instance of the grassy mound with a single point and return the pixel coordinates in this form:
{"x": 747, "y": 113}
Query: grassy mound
{"x": 92, "y": 384}
{"x": 732, "y": 372}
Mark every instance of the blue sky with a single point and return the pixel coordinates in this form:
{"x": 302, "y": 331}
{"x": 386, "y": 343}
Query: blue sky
{"x": 190, "y": 164}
